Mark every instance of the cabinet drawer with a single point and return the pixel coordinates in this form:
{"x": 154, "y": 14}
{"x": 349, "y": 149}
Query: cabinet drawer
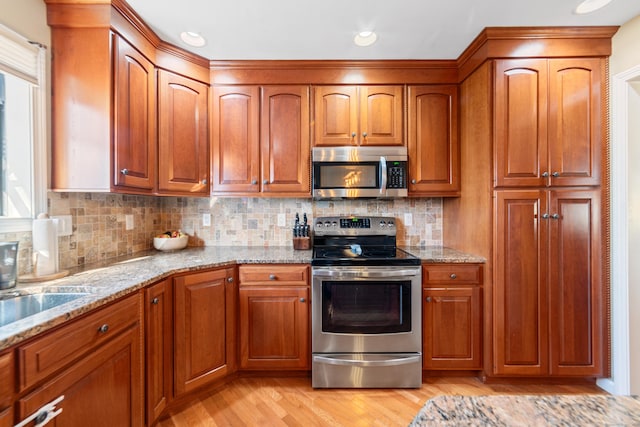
{"x": 452, "y": 274}
{"x": 55, "y": 350}
{"x": 285, "y": 274}
{"x": 6, "y": 379}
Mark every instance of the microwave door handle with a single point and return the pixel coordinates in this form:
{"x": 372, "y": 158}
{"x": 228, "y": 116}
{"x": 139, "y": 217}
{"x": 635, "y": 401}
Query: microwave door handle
{"x": 383, "y": 172}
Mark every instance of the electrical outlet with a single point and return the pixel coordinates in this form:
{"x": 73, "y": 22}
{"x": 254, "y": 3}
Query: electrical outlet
{"x": 65, "y": 225}
{"x": 128, "y": 222}
{"x": 282, "y": 220}
{"x": 408, "y": 219}
{"x": 206, "y": 220}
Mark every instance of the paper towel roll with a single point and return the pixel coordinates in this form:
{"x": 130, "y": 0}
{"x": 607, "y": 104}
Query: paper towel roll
{"x": 45, "y": 246}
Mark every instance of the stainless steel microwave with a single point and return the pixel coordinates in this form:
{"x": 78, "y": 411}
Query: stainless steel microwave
{"x": 350, "y": 172}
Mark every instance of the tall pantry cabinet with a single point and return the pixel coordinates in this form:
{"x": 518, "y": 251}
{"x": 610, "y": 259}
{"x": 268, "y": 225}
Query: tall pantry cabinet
{"x": 533, "y": 146}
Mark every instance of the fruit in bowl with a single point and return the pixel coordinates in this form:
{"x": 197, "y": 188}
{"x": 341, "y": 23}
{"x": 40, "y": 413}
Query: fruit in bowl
{"x": 170, "y": 240}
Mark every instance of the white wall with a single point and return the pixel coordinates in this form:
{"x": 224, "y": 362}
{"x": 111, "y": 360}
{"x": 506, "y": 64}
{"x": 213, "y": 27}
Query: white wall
{"x": 27, "y": 17}
{"x": 625, "y": 168}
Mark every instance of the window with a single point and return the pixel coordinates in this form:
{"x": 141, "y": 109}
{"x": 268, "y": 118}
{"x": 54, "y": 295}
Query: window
{"x": 23, "y": 164}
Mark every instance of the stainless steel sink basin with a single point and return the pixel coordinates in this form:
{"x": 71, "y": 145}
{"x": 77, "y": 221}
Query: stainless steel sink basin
{"x": 16, "y": 307}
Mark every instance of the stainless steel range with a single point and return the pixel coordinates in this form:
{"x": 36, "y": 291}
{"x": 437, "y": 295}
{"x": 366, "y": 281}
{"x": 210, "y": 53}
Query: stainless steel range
{"x": 366, "y": 310}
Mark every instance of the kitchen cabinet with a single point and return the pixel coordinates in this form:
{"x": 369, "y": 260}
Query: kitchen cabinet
{"x": 134, "y": 122}
{"x": 548, "y": 312}
{"x": 261, "y": 140}
{"x": 548, "y": 122}
{"x": 94, "y": 362}
{"x": 158, "y": 303}
{"x": 358, "y": 115}
{"x": 452, "y": 320}
{"x": 274, "y": 317}
{"x": 204, "y": 328}
{"x": 7, "y": 388}
{"x": 183, "y": 136}
{"x": 432, "y": 142}
{"x": 109, "y": 106}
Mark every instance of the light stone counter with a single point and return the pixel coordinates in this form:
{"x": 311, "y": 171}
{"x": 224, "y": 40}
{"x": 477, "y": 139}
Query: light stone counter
{"x": 530, "y": 410}
{"x": 107, "y": 282}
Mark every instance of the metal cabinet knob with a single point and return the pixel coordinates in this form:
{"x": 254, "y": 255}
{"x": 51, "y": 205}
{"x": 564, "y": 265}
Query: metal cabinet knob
{"x": 204, "y": 182}
{"x": 155, "y": 301}
{"x": 413, "y": 181}
{"x": 302, "y": 300}
{"x": 555, "y": 174}
{"x": 254, "y": 182}
{"x": 364, "y": 134}
{"x": 545, "y": 216}
{"x": 103, "y": 329}
{"x": 545, "y": 174}
{"x": 124, "y": 171}
{"x": 230, "y": 279}
{"x": 453, "y": 276}
{"x": 265, "y": 182}
{"x": 272, "y": 277}
{"x": 353, "y": 134}
{"x": 428, "y": 299}
{"x": 555, "y": 216}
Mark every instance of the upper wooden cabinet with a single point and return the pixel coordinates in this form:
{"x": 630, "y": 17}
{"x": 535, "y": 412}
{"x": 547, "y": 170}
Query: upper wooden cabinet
{"x": 111, "y": 114}
{"x": 183, "y": 137}
{"x": 261, "y": 140}
{"x": 134, "y": 122}
{"x": 548, "y": 122}
{"x": 433, "y": 146}
{"x": 358, "y": 115}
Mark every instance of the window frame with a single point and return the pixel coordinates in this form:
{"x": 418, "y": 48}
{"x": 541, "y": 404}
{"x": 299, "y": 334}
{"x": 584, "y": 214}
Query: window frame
{"x": 36, "y": 74}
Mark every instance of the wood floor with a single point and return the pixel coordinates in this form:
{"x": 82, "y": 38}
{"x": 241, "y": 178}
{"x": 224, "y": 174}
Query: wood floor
{"x": 292, "y": 402}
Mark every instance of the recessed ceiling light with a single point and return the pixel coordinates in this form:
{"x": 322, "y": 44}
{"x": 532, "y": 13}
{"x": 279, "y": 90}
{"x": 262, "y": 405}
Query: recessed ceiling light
{"x": 365, "y": 38}
{"x": 192, "y": 39}
{"x": 588, "y": 6}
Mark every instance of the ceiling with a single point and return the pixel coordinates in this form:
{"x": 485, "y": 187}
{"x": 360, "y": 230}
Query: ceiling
{"x": 324, "y": 29}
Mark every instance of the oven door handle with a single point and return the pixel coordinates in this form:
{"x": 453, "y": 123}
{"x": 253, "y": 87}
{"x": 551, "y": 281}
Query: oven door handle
{"x": 366, "y": 273}
{"x": 405, "y": 360}
{"x": 383, "y": 177}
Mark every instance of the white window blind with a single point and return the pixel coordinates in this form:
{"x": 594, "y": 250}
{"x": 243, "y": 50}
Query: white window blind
{"x": 18, "y": 56}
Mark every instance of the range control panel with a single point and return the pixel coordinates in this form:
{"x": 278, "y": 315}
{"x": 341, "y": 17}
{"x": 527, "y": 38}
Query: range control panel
{"x": 355, "y": 226}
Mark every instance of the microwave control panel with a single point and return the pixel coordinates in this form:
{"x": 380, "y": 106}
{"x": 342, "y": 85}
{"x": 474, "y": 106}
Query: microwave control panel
{"x": 396, "y": 175}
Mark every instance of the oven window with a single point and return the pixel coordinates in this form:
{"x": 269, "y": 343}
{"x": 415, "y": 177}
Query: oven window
{"x": 348, "y": 175}
{"x": 371, "y": 307}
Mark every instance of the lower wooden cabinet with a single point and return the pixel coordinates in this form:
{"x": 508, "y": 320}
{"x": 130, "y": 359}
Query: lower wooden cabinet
{"x": 204, "y": 328}
{"x": 103, "y": 387}
{"x": 274, "y": 317}
{"x": 158, "y": 303}
{"x": 7, "y": 388}
{"x": 452, "y": 318}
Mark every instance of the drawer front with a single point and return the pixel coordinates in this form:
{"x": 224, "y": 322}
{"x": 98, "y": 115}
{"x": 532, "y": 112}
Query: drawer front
{"x": 452, "y": 274}
{"x": 286, "y": 274}
{"x": 55, "y": 350}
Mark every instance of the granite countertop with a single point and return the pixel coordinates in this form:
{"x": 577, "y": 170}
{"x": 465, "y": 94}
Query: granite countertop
{"x": 530, "y": 410}
{"x": 105, "y": 282}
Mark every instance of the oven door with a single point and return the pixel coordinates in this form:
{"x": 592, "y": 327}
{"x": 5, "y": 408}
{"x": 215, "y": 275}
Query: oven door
{"x": 366, "y": 309}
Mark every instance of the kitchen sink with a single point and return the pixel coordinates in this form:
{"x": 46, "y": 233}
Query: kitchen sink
{"x": 16, "y": 307}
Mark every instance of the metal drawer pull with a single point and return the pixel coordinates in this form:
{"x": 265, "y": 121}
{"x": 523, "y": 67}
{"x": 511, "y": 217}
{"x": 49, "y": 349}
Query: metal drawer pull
{"x": 545, "y": 174}
{"x": 352, "y": 362}
{"x": 43, "y": 415}
{"x": 555, "y": 174}
{"x": 555, "y": 216}
{"x": 103, "y": 329}
{"x": 453, "y": 276}
{"x": 124, "y": 171}
{"x": 230, "y": 279}
{"x": 272, "y": 277}
{"x": 155, "y": 301}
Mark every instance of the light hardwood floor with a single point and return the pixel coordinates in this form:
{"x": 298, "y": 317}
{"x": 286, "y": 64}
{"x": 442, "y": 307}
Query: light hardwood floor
{"x": 292, "y": 402}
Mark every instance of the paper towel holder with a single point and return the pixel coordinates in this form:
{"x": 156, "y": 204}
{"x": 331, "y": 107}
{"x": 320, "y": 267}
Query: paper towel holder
{"x": 34, "y": 277}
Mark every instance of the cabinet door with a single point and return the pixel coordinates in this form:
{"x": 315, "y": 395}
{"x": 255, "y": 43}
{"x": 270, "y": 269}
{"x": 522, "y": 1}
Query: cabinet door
{"x": 183, "y": 138}
{"x": 201, "y": 328}
{"x": 235, "y": 117}
{"x": 451, "y": 328}
{"x": 520, "y": 313}
{"x": 285, "y": 151}
{"x": 381, "y": 115}
{"x": 521, "y": 122}
{"x": 159, "y": 347}
{"x": 134, "y": 145}
{"x": 7, "y": 388}
{"x": 575, "y": 120}
{"x": 274, "y": 327}
{"x": 434, "y": 163}
{"x": 102, "y": 389}
{"x": 336, "y": 115}
{"x": 577, "y": 320}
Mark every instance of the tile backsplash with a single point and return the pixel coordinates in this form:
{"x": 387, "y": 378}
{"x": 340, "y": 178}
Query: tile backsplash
{"x": 99, "y": 222}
